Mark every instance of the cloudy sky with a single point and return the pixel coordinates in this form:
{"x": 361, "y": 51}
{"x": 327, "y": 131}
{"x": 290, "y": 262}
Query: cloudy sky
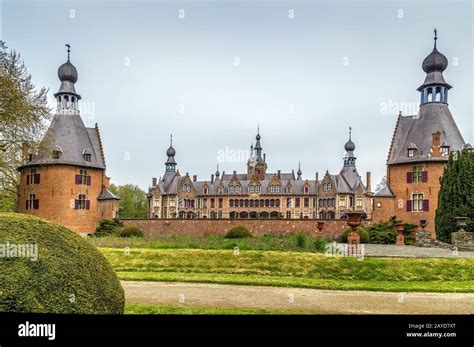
{"x": 210, "y": 72}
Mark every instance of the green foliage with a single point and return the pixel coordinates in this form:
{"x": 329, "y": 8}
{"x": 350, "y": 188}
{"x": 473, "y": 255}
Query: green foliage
{"x": 364, "y": 236}
{"x": 301, "y": 240}
{"x": 23, "y": 118}
{"x": 130, "y": 232}
{"x": 456, "y": 196}
{"x": 69, "y": 275}
{"x": 238, "y": 232}
{"x": 133, "y": 201}
{"x": 385, "y": 232}
{"x": 108, "y": 227}
{"x": 282, "y": 243}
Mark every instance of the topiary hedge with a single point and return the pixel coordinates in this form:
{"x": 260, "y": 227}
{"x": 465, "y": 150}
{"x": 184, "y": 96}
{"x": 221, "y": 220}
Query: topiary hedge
{"x": 238, "y": 232}
{"x": 130, "y": 232}
{"x": 69, "y": 275}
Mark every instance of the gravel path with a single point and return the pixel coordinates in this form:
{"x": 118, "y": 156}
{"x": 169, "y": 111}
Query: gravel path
{"x": 295, "y": 299}
{"x": 373, "y": 250}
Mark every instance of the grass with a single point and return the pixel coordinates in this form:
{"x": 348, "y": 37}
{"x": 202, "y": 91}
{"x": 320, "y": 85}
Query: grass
{"x": 294, "y": 269}
{"x": 294, "y": 242}
{"x": 142, "y": 309}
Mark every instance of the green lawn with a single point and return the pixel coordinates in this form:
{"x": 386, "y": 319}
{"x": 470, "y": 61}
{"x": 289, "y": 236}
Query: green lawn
{"x": 294, "y": 269}
{"x": 151, "y": 309}
{"x": 293, "y": 242}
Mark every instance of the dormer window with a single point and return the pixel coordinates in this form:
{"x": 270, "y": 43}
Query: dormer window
{"x": 444, "y": 150}
{"x": 306, "y": 190}
{"x": 234, "y": 189}
{"x": 57, "y": 152}
{"x": 205, "y": 191}
{"x": 254, "y": 188}
{"x": 274, "y": 188}
{"x": 288, "y": 190}
{"x": 87, "y": 155}
{"x": 186, "y": 188}
{"x": 411, "y": 153}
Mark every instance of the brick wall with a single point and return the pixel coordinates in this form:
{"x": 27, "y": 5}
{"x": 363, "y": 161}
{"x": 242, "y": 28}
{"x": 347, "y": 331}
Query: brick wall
{"x": 258, "y": 227}
{"x": 56, "y": 193}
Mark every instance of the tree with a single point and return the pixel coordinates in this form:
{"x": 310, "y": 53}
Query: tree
{"x": 456, "y": 196}
{"x": 23, "y": 118}
{"x": 133, "y": 201}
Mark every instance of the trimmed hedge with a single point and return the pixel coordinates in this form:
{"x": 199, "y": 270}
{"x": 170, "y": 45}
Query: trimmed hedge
{"x": 107, "y": 227}
{"x": 130, "y": 232}
{"x": 238, "y": 232}
{"x": 69, "y": 276}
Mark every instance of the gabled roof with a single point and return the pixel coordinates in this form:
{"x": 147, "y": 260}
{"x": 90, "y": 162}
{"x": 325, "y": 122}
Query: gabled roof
{"x": 385, "y": 192}
{"x": 418, "y": 130}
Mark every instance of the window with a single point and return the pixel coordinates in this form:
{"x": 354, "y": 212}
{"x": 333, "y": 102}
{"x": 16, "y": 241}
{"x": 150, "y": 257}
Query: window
{"x": 220, "y": 190}
{"x": 417, "y": 175}
{"x": 342, "y": 201}
{"x": 204, "y": 191}
{"x": 57, "y": 154}
{"x": 231, "y": 203}
{"x": 288, "y": 214}
{"x": 82, "y": 178}
{"x": 306, "y": 190}
{"x": 306, "y": 202}
{"x": 212, "y": 203}
{"x": 220, "y": 204}
{"x": 32, "y": 203}
{"x": 234, "y": 189}
{"x": 417, "y": 202}
{"x": 288, "y": 190}
{"x": 297, "y": 202}
{"x": 411, "y": 152}
{"x": 445, "y": 150}
{"x": 82, "y": 203}
{"x": 33, "y": 177}
{"x": 186, "y": 188}
{"x": 204, "y": 203}
{"x": 254, "y": 188}
{"x": 274, "y": 189}
{"x": 87, "y": 156}
{"x": 379, "y": 204}
{"x": 359, "y": 202}
{"x": 289, "y": 203}
{"x": 327, "y": 187}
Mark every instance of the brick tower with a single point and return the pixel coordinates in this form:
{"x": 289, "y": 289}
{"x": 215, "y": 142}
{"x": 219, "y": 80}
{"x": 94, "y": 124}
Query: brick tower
{"x": 419, "y": 151}
{"x": 65, "y": 180}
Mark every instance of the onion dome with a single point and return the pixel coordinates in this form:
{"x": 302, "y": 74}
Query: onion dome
{"x": 67, "y": 72}
{"x": 435, "y": 61}
{"x": 349, "y": 146}
{"x": 171, "y": 152}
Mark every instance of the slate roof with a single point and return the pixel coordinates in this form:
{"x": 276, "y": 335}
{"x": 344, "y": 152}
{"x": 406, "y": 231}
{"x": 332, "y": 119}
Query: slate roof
{"x": 68, "y": 133}
{"x": 107, "y": 195}
{"x": 418, "y": 130}
{"x": 385, "y": 192}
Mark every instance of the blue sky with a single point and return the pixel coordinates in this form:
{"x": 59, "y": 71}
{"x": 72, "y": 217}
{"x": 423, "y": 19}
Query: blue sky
{"x": 303, "y": 71}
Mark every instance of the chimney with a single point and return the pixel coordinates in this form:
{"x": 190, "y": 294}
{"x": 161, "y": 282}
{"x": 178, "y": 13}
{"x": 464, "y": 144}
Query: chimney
{"x": 235, "y": 173}
{"x": 154, "y": 181}
{"x": 195, "y": 178}
{"x": 279, "y": 174}
{"x": 317, "y": 177}
{"x": 212, "y": 178}
{"x": 369, "y": 181}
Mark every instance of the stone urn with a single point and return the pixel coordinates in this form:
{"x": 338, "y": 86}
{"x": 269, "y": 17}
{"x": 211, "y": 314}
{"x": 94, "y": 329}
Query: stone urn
{"x": 461, "y": 222}
{"x": 423, "y": 224}
{"x": 354, "y": 221}
{"x": 320, "y": 226}
{"x": 400, "y": 239}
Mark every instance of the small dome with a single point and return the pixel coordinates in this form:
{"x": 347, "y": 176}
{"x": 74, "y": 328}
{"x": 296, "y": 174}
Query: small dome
{"x": 435, "y": 61}
{"x": 67, "y": 72}
{"x": 258, "y": 137}
{"x": 171, "y": 152}
{"x": 349, "y": 146}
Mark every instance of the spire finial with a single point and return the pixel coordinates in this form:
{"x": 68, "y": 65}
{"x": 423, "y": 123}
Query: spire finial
{"x": 68, "y": 50}
{"x": 350, "y": 133}
{"x": 258, "y": 129}
{"x": 171, "y": 140}
{"x": 435, "y": 36}
{"x": 299, "y": 165}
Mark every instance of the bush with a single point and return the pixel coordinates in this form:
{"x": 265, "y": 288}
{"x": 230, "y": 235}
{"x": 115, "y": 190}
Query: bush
{"x": 108, "y": 227}
{"x": 301, "y": 240}
{"x": 69, "y": 275}
{"x": 130, "y": 232}
{"x": 385, "y": 232}
{"x": 320, "y": 244}
{"x": 364, "y": 236}
{"x": 239, "y": 232}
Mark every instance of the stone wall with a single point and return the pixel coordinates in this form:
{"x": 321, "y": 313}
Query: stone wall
{"x": 258, "y": 227}
{"x": 463, "y": 240}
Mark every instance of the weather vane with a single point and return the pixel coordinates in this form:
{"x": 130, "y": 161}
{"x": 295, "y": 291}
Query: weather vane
{"x": 68, "y": 50}
{"x": 435, "y": 36}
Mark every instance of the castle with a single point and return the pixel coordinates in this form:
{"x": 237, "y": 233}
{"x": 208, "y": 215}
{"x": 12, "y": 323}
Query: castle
{"x": 258, "y": 193}
{"x": 65, "y": 180}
